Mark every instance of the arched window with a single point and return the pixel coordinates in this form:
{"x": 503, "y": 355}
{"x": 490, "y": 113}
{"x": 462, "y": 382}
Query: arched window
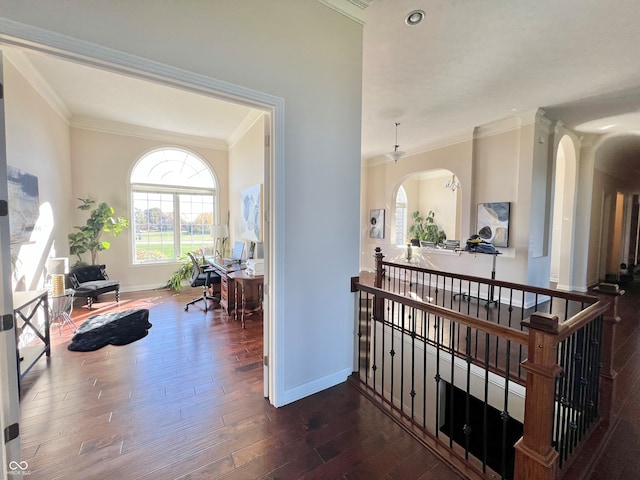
{"x": 173, "y": 205}
{"x": 401, "y": 216}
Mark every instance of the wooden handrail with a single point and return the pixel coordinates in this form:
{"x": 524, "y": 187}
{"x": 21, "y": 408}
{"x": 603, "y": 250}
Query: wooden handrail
{"x": 506, "y": 332}
{"x": 580, "y": 319}
{"x": 578, "y": 297}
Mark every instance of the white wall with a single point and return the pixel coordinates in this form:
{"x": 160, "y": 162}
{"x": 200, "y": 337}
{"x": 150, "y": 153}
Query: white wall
{"x": 311, "y": 57}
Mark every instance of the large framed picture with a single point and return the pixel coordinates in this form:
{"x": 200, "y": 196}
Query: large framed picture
{"x": 24, "y": 204}
{"x": 493, "y": 223}
{"x": 376, "y": 223}
{"x": 251, "y": 210}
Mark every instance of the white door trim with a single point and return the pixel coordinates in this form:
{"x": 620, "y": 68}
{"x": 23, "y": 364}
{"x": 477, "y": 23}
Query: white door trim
{"x": 90, "y": 54}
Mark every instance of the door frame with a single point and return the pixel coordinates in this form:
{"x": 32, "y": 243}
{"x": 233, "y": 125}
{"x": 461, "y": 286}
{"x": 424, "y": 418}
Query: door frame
{"x": 89, "y": 54}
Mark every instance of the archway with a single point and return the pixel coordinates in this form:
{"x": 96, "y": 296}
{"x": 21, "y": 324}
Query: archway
{"x": 562, "y": 237}
{"x": 436, "y": 190}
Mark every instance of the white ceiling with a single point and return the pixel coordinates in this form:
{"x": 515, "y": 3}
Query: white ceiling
{"x": 467, "y": 64}
{"x": 94, "y": 98}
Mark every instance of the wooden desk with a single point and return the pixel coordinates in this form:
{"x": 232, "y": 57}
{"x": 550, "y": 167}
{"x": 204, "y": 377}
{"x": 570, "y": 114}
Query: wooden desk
{"x": 25, "y": 307}
{"x": 248, "y": 293}
{"x": 227, "y": 289}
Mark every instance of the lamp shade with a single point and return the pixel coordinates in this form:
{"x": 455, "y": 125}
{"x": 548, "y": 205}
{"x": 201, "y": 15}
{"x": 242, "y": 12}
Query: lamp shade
{"x": 219, "y": 231}
{"x": 57, "y": 265}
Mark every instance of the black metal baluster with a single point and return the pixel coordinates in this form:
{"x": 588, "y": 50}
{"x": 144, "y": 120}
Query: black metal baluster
{"x": 437, "y": 326}
{"x": 412, "y": 393}
{"x": 452, "y": 336}
{"x": 485, "y": 413}
{"x": 505, "y": 412}
{"x": 402, "y": 356}
{"x": 467, "y": 406}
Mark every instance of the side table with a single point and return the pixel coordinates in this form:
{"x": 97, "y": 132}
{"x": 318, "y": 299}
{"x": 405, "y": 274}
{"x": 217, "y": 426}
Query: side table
{"x": 60, "y": 308}
{"x": 248, "y": 293}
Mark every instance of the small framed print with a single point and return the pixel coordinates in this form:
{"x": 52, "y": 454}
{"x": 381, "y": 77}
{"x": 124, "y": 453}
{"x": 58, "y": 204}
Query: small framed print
{"x": 376, "y": 223}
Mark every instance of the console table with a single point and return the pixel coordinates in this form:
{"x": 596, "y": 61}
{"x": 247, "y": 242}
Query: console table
{"x": 25, "y": 307}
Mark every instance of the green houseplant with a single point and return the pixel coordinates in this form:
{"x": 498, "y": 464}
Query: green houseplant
{"x": 183, "y": 272}
{"x": 424, "y": 228}
{"x": 88, "y": 238}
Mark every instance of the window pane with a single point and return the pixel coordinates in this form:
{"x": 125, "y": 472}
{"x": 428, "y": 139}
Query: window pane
{"x": 401, "y": 218}
{"x": 172, "y": 167}
{"x": 153, "y": 224}
{"x": 196, "y": 218}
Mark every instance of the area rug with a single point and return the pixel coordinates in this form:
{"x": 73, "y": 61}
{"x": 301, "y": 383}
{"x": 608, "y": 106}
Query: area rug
{"x": 115, "y": 328}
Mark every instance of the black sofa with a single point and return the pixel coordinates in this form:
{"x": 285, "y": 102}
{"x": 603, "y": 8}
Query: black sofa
{"x": 89, "y": 281}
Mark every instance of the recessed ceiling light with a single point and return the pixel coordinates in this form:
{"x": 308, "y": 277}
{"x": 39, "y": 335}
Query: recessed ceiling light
{"x": 414, "y": 17}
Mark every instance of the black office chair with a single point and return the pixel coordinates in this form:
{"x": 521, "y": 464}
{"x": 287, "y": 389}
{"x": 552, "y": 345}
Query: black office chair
{"x": 202, "y": 277}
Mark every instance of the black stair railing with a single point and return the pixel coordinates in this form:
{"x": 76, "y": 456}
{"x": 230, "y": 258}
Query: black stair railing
{"x": 448, "y": 357}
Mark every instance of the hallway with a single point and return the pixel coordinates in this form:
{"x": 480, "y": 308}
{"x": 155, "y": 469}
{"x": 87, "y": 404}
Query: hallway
{"x": 620, "y": 460}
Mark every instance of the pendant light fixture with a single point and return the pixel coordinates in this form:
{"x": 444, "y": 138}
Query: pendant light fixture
{"x": 396, "y": 154}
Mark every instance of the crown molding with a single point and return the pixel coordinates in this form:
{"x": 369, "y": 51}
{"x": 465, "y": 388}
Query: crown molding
{"x": 352, "y": 9}
{"x": 249, "y": 121}
{"x": 19, "y": 60}
{"x": 118, "y": 128}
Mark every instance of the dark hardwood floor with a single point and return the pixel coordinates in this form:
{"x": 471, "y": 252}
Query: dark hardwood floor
{"x": 186, "y": 402}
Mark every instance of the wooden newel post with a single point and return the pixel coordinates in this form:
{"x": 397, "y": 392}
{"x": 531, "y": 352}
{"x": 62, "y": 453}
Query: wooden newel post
{"x": 535, "y": 456}
{"x": 379, "y": 270}
{"x": 378, "y": 304}
{"x": 608, "y": 292}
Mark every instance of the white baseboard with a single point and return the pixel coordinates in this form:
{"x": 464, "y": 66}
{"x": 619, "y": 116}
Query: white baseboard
{"x": 140, "y": 288}
{"x": 315, "y": 386}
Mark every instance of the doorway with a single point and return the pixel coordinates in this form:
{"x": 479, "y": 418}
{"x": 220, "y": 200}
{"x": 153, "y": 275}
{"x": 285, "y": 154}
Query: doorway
{"x": 208, "y": 87}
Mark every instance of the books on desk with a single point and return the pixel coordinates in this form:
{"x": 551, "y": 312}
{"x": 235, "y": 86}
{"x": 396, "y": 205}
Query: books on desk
{"x": 255, "y": 266}
{"x": 228, "y": 262}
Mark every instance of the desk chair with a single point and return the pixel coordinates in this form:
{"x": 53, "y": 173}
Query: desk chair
{"x": 202, "y": 277}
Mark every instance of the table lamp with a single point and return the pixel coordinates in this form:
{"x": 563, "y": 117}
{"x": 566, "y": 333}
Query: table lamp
{"x": 220, "y": 233}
